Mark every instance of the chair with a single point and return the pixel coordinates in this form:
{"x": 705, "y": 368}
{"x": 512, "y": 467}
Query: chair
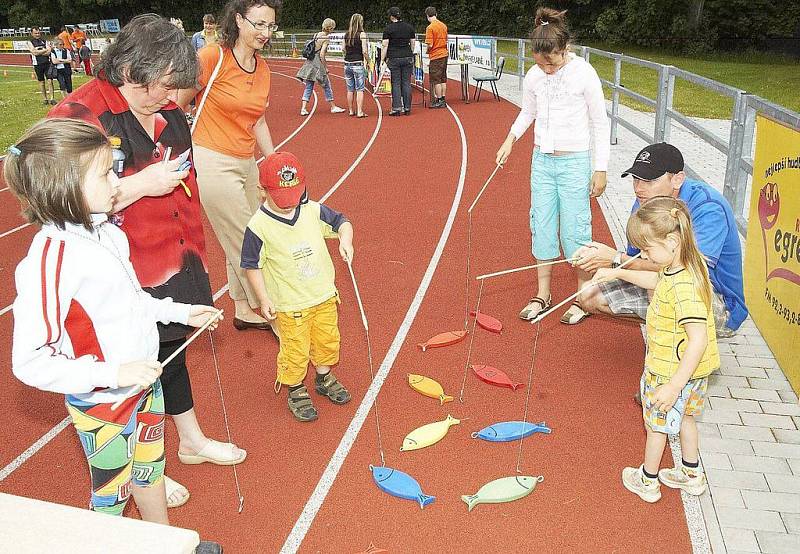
{"x": 492, "y": 79}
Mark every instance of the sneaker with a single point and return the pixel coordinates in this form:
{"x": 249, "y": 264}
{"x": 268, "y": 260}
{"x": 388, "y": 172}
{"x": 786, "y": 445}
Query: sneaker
{"x": 337, "y": 109}
{"x": 680, "y": 478}
{"x": 329, "y": 386}
{"x": 46, "y": 102}
{"x": 435, "y": 104}
{"x": 300, "y": 404}
{"x": 634, "y": 480}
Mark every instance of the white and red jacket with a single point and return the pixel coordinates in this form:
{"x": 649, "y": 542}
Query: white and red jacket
{"x": 80, "y": 313}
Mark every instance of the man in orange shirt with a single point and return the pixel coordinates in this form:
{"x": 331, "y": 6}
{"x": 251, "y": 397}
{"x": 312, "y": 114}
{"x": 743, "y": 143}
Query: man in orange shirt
{"x": 436, "y": 39}
{"x": 77, "y": 37}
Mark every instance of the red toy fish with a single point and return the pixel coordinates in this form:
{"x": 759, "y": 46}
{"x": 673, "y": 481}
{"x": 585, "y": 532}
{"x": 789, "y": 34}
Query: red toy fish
{"x": 443, "y": 339}
{"x": 488, "y": 322}
{"x": 494, "y": 376}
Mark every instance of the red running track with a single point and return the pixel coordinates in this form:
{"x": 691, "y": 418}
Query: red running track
{"x": 399, "y": 198}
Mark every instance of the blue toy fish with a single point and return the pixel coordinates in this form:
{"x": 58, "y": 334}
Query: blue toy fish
{"x": 510, "y": 430}
{"x": 399, "y": 484}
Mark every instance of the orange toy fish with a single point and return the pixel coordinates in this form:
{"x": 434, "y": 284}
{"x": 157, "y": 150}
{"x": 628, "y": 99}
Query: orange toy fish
{"x": 494, "y": 376}
{"x": 488, "y": 322}
{"x": 443, "y": 339}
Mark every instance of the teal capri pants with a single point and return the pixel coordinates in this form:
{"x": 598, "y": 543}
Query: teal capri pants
{"x": 560, "y": 188}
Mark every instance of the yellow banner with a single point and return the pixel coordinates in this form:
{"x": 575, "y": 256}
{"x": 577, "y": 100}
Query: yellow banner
{"x": 6, "y": 45}
{"x": 772, "y": 257}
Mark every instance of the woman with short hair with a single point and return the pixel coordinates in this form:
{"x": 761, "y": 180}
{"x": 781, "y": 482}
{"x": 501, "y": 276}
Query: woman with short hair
{"x": 158, "y": 207}
{"x": 315, "y": 70}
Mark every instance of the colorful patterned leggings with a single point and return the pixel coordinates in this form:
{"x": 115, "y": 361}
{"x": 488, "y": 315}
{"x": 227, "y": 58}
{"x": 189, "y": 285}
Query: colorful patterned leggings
{"x": 123, "y": 447}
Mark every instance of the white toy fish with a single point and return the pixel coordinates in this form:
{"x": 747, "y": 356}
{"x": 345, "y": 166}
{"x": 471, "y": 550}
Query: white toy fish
{"x": 505, "y": 489}
{"x": 428, "y": 434}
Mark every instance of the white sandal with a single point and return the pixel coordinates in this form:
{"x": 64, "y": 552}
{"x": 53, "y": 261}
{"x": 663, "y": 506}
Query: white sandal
{"x": 171, "y": 486}
{"x": 215, "y": 452}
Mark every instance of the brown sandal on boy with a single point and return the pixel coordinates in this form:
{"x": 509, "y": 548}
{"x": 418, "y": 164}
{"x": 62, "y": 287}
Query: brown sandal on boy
{"x": 529, "y": 312}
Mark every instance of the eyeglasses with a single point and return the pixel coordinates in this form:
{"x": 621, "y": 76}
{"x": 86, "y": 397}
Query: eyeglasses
{"x": 262, "y": 25}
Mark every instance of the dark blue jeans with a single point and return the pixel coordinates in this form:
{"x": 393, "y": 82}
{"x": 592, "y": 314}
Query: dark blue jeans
{"x": 401, "y": 69}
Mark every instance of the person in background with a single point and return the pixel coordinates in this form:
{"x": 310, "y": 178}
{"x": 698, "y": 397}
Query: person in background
{"x": 315, "y": 70}
{"x": 66, "y": 37}
{"x": 397, "y": 50}
{"x": 62, "y": 59}
{"x": 356, "y": 59}
{"x": 40, "y": 59}
{"x": 86, "y": 59}
{"x": 208, "y": 35}
{"x": 436, "y": 39}
{"x": 77, "y": 38}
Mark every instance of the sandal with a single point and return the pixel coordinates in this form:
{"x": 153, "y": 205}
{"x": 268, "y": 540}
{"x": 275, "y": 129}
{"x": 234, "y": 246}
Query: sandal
{"x": 329, "y": 386}
{"x": 300, "y": 404}
{"x": 215, "y": 452}
{"x": 571, "y": 318}
{"x": 304, "y": 112}
{"x": 171, "y": 487}
{"x": 361, "y": 115}
{"x": 530, "y": 312}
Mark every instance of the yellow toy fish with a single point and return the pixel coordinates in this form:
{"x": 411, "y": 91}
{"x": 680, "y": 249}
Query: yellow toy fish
{"x": 428, "y": 434}
{"x": 428, "y": 387}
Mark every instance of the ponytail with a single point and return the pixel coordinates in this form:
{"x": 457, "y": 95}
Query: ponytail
{"x": 659, "y": 217}
{"x": 550, "y": 33}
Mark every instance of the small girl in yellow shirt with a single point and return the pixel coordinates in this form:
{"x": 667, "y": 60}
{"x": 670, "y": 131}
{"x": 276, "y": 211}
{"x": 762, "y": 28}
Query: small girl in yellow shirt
{"x": 681, "y": 344}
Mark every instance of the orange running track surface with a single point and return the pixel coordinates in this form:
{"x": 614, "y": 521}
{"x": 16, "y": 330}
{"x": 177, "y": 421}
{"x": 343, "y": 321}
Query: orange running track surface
{"x": 398, "y": 199}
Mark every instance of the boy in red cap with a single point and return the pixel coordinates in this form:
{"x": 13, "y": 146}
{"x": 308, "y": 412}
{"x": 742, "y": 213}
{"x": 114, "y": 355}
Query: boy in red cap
{"x": 288, "y": 266}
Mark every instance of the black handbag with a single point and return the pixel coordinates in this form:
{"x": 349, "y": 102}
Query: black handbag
{"x": 52, "y": 72}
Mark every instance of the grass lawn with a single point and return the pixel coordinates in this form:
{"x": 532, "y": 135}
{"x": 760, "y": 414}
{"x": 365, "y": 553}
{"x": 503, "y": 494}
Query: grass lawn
{"x": 775, "y": 78}
{"x": 21, "y": 102}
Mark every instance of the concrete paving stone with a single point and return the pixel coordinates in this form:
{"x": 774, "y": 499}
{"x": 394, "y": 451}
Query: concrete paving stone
{"x": 709, "y": 430}
{"x": 718, "y": 460}
{"x": 771, "y": 449}
{"x": 719, "y": 416}
{"x": 783, "y": 483}
{"x": 792, "y": 523}
{"x": 787, "y": 435}
{"x": 752, "y": 361}
{"x": 743, "y": 371}
{"x": 743, "y": 540}
{"x": 767, "y": 420}
{"x": 733, "y": 404}
{"x": 761, "y": 464}
{"x": 718, "y": 391}
{"x": 755, "y": 394}
{"x": 756, "y": 339}
{"x": 720, "y": 380}
{"x": 788, "y": 396}
{"x": 749, "y": 480}
{"x": 752, "y": 350}
{"x": 794, "y": 465}
{"x": 776, "y": 374}
{"x": 746, "y": 433}
{"x": 726, "y": 496}
{"x": 770, "y": 384}
{"x": 796, "y": 420}
{"x": 778, "y": 543}
{"x": 730, "y": 446}
{"x": 781, "y": 408}
{"x": 757, "y": 520}
{"x": 724, "y": 349}
{"x": 738, "y": 338}
{"x": 773, "y": 501}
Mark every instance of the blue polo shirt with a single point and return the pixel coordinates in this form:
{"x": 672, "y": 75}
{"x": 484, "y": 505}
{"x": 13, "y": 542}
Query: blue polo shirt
{"x": 718, "y": 239}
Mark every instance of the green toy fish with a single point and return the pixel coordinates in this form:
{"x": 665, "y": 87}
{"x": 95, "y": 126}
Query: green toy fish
{"x": 428, "y": 434}
{"x": 505, "y": 489}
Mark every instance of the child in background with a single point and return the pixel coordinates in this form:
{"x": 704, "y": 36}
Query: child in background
{"x": 288, "y": 265}
{"x": 85, "y": 54}
{"x": 681, "y": 344}
{"x": 83, "y": 326}
{"x": 563, "y": 94}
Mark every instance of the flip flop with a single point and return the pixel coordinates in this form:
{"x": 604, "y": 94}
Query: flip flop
{"x": 215, "y": 452}
{"x": 172, "y": 486}
{"x": 362, "y": 115}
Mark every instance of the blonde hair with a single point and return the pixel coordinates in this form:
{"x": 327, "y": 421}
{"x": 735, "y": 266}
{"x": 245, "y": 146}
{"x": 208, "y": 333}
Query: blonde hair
{"x": 328, "y": 25}
{"x": 355, "y": 29}
{"x": 47, "y": 166}
{"x": 664, "y": 215}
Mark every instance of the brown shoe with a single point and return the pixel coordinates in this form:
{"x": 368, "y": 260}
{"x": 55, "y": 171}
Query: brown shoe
{"x": 300, "y": 404}
{"x": 242, "y": 325}
{"x": 329, "y": 386}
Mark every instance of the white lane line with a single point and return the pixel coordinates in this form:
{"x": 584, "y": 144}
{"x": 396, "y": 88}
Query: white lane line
{"x": 50, "y": 435}
{"x": 306, "y": 519}
{"x": 303, "y": 124}
{"x": 34, "y": 448}
{"x": 14, "y": 230}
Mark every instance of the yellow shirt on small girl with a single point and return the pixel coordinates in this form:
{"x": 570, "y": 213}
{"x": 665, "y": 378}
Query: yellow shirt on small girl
{"x": 676, "y": 302}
